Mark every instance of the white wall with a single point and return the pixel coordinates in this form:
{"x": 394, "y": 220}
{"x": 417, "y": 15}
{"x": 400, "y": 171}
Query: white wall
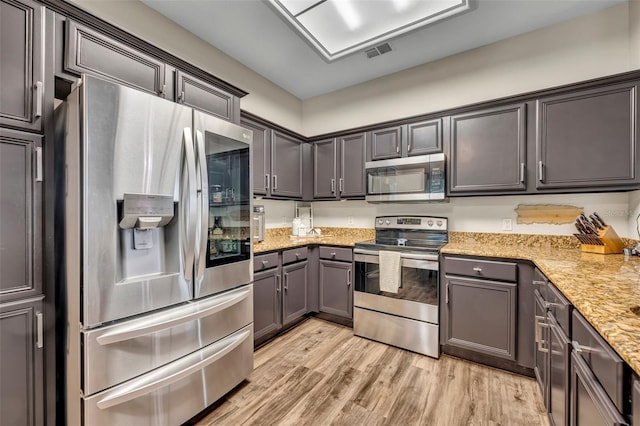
{"x": 634, "y": 215}
{"x": 265, "y": 99}
{"x": 485, "y": 214}
{"x": 586, "y": 47}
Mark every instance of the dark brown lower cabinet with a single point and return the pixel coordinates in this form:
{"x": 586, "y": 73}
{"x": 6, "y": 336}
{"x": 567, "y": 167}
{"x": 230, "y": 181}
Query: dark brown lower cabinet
{"x": 590, "y": 405}
{"x": 480, "y": 315}
{"x": 279, "y": 294}
{"x": 294, "y": 291}
{"x": 559, "y": 350}
{"x": 335, "y": 288}
{"x": 21, "y": 363}
{"x": 267, "y": 302}
{"x": 635, "y": 411}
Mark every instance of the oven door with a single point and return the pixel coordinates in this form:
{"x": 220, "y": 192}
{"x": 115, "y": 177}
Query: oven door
{"x": 417, "y": 296}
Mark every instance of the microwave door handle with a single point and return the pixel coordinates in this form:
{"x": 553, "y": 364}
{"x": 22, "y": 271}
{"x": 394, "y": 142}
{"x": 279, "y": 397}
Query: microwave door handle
{"x": 188, "y": 204}
{"x": 203, "y": 208}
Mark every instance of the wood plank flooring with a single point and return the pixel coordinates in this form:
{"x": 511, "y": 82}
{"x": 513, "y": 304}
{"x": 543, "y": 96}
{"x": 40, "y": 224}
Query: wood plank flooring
{"x": 321, "y": 374}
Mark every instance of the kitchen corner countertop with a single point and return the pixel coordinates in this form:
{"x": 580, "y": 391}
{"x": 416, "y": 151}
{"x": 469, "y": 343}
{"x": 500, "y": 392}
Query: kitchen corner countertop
{"x": 604, "y": 288}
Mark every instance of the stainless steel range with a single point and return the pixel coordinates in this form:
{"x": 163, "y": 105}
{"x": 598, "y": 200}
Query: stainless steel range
{"x": 396, "y": 283}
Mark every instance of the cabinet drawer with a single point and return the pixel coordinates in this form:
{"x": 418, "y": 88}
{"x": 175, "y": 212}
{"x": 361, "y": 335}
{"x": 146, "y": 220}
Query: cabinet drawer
{"x": 265, "y": 261}
{"x": 336, "y": 253}
{"x": 294, "y": 255}
{"x": 605, "y": 364}
{"x": 503, "y": 271}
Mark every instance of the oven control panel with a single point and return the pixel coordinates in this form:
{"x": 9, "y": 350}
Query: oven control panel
{"x": 412, "y": 222}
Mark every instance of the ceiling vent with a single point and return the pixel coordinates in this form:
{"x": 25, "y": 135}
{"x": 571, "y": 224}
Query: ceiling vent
{"x": 378, "y": 50}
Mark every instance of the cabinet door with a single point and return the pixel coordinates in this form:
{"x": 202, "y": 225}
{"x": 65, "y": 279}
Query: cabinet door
{"x": 294, "y": 286}
{"x": 559, "y": 369}
{"x": 336, "y": 288}
{"x": 267, "y": 303}
{"x": 325, "y": 174}
{"x": 541, "y": 353}
{"x": 424, "y": 138}
{"x": 88, "y": 51}
{"x": 286, "y": 166}
{"x": 21, "y": 369}
{"x": 635, "y": 411}
{"x": 386, "y": 143}
{"x": 590, "y": 404}
{"x": 22, "y": 64}
{"x": 481, "y": 316}
{"x": 21, "y": 211}
{"x": 352, "y": 181}
{"x": 261, "y": 156}
{"x": 196, "y": 93}
{"x": 588, "y": 138}
{"x": 488, "y": 150}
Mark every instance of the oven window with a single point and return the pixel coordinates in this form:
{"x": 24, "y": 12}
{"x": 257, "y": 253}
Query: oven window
{"x": 397, "y": 180}
{"x": 418, "y": 285}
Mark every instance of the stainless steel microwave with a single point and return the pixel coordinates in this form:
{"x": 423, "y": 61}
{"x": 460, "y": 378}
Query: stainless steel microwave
{"x": 410, "y": 179}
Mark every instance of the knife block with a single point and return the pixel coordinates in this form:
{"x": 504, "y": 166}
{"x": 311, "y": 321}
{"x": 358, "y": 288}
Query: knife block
{"x": 610, "y": 242}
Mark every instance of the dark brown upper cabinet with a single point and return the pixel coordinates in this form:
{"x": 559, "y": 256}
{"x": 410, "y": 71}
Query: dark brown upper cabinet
{"x": 587, "y": 138}
{"x": 286, "y": 166}
{"x": 21, "y": 177}
{"x": 261, "y": 156}
{"x": 424, "y": 137}
{"x": 406, "y": 140}
{"x": 338, "y": 167}
{"x": 386, "y": 143}
{"x": 488, "y": 151}
{"x": 88, "y": 51}
{"x": 204, "y": 96}
{"x": 21, "y": 64}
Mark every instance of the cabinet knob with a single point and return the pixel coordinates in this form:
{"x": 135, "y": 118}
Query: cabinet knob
{"x": 264, "y": 262}
{"x": 333, "y": 254}
{"x": 477, "y": 269}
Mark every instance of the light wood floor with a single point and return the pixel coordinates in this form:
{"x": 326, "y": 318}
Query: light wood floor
{"x": 319, "y": 374}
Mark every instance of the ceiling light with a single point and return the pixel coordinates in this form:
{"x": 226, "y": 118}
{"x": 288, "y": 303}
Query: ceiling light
{"x": 336, "y": 28}
{"x": 348, "y": 13}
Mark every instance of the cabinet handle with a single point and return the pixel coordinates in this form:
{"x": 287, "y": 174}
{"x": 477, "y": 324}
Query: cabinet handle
{"x": 348, "y": 277}
{"x": 477, "y": 269}
{"x": 286, "y": 282}
{"x": 578, "y": 348}
{"x": 333, "y": 186}
{"x": 446, "y": 294}
{"x": 409, "y": 147}
{"x": 267, "y": 181}
{"x": 397, "y": 148}
{"x": 332, "y": 254}
{"x": 181, "y": 97}
{"x": 38, "y": 174}
{"x": 38, "y": 95}
{"x": 265, "y": 262}
{"x": 275, "y": 182}
{"x": 537, "y": 282}
{"x": 341, "y": 185}
{"x": 39, "y": 330}
{"x": 540, "y": 171}
{"x": 162, "y": 91}
{"x": 521, "y": 172}
{"x": 278, "y": 284}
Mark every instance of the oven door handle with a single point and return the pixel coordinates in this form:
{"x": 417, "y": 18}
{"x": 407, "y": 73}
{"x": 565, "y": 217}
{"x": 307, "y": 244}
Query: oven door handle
{"x": 412, "y": 262}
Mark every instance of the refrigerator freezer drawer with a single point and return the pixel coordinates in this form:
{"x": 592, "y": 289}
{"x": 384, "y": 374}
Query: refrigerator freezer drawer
{"x": 174, "y": 393}
{"x": 125, "y": 350}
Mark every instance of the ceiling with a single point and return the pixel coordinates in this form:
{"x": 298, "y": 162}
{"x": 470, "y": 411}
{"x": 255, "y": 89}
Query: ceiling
{"x": 253, "y": 33}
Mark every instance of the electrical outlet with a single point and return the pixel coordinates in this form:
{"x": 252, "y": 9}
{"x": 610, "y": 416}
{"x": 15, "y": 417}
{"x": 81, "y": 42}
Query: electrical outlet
{"x": 349, "y": 220}
{"x": 506, "y": 225}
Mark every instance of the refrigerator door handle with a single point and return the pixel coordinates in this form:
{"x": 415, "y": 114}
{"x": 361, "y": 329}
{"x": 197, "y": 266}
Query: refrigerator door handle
{"x": 191, "y": 312}
{"x": 203, "y": 208}
{"x": 188, "y": 204}
{"x": 171, "y": 373}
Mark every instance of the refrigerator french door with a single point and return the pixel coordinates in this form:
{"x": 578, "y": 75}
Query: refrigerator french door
{"x": 156, "y": 288}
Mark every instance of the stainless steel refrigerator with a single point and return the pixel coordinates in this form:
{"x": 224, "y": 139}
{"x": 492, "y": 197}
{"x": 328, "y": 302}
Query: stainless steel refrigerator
{"x": 156, "y": 289}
